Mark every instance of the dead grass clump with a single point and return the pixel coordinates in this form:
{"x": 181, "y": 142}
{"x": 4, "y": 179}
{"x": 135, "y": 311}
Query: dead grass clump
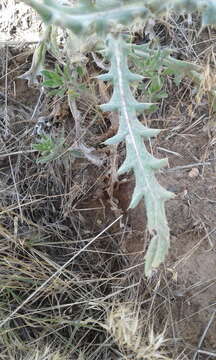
{"x": 126, "y": 325}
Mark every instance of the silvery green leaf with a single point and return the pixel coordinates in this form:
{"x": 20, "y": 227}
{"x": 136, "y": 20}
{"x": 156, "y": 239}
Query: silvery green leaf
{"x": 138, "y": 159}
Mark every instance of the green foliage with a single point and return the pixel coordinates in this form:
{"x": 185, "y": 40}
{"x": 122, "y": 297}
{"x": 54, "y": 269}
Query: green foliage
{"x": 52, "y": 149}
{"x": 160, "y": 62}
{"x": 107, "y": 19}
{"x": 58, "y": 80}
{"x": 153, "y": 72}
{"x": 62, "y": 81}
{"x": 49, "y": 149}
{"x": 46, "y": 145}
{"x": 52, "y": 79}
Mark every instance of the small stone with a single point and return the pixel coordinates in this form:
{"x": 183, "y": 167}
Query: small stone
{"x": 193, "y": 173}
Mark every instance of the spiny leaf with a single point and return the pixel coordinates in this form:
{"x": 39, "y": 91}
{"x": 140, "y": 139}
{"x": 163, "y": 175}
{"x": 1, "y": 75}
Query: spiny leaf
{"x": 88, "y": 18}
{"x": 209, "y": 14}
{"x": 138, "y": 159}
{"x": 100, "y": 17}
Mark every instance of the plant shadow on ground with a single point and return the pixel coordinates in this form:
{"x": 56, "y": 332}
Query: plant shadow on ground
{"x": 50, "y": 212}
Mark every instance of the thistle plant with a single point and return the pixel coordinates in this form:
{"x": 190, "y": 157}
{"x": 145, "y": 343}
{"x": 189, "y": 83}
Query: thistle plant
{"x": 107, "y": 20}
{"x": 138, "y": 159}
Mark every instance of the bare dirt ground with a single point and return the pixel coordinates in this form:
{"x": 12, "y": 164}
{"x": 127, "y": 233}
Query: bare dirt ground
{"x": 49, "y": 212}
